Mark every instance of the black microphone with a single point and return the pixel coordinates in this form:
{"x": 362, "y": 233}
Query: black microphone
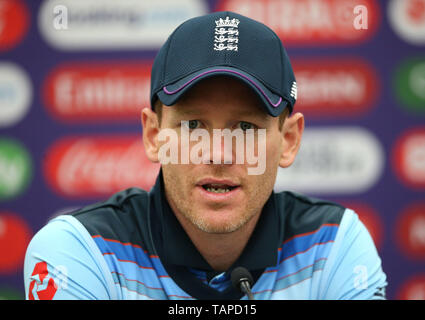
{"x": 242, "y": 280}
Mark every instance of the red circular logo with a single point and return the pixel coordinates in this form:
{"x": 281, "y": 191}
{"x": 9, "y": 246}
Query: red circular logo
{"x": 14, "y": 238}
{"x": 409, "y": 158}
{"x": 43, "y": 287}
{"x": 410, "y": 232}
{"x": 14, "y": 22}
{"x": 413, "y": 289}
{"x": 416, "y": 10}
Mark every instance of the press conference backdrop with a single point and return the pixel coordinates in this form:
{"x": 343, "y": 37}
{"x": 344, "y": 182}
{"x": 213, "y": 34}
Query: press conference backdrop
{"x": 74, "y": 75}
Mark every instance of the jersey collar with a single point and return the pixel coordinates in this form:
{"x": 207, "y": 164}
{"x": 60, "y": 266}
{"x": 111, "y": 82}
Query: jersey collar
{"x": 177, "y": 248}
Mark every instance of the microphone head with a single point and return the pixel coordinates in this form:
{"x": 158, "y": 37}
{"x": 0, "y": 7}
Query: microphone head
{"x": 240, "y": 274}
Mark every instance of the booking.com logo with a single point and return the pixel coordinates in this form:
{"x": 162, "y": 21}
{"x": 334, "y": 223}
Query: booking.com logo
{"x": 195, "y": 147}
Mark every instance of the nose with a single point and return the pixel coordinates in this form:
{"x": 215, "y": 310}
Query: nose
{"x": 224, "y": 145}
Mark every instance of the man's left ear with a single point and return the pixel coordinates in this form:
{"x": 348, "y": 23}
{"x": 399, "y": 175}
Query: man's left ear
{"x": 292, "y": 132}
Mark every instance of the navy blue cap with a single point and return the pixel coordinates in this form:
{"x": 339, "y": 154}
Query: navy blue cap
{"x": 224, "y": 43}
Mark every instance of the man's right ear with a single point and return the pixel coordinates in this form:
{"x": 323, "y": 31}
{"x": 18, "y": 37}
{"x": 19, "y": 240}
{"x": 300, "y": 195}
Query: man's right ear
{"x": 151, "y": 128}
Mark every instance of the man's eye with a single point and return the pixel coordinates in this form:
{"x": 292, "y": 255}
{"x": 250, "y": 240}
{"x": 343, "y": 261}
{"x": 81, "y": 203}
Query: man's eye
{"x": 246, "y": 125}
{"x": 191, "y": 124}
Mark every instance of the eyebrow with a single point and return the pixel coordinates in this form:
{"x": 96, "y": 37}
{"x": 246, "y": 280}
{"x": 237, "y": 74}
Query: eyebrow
{"x": 188, "y": 112}
{"x": 257, "y": 115}
{"x": 261, "y": 115}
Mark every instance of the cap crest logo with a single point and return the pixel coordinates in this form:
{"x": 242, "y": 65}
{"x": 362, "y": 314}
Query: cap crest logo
{"x": 227, "y": 22}
{"x": 226, "y": 34}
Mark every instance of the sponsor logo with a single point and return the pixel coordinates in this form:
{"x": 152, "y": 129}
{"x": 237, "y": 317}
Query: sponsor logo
{"x": 409, "y": 158}
{"x": 15, "y": 94}
{"x": 45, "y": 284}
{"x": 84, "y": 167}
{"x": 334, "y": 160}
{"x": 360, "y": 281}
{"x": 14, "y": 22}
{"x": 337, "y": 87}
{"x": 15, "y": 168}
{"x": 312, "y": 22}
{"x": 110, "y": 24}
{"x": 98, "y": 91}
{"x": 43, "y": 287}
{"x": 410, "y": 231}
{"x": 15, "y": 235}
{"x": 369, "y": 217}
{"x": 407, "y": 18}
{"x": 410, "y": 85}
{"x": 413, "y": 288}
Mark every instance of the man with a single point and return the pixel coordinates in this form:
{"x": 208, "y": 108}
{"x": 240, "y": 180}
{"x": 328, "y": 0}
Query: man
{"x": 209, "y": 213}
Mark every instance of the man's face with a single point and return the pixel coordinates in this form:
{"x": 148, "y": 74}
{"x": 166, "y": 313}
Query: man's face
{"x": 220, "y": 198}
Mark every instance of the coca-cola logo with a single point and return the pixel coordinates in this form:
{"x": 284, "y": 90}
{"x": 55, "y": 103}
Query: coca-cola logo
{"x": 98, "y": 91}
{"x": 98, "y": 166}
{"x": 410, "y": 232}
{"x": 337, "y": 87}
{"x": 409, "y": 158}
{"x": 306, "y": 22}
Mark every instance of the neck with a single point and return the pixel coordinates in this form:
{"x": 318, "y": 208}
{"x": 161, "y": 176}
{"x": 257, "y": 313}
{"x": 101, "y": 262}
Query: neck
{"x": 220, "y": 250}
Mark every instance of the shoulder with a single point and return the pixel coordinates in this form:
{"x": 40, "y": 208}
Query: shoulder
{"x": 57, "y": 232}
{"x": 302, "y": 214}
{"x": 354, "y": 267}
{"x": 60, "y": 251}
{"x": 123, "y": 217}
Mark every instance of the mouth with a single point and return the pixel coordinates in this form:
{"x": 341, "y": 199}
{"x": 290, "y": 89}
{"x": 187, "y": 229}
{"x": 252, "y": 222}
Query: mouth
{"x": 215, "y": 186}
{"x": 218, "y": 188}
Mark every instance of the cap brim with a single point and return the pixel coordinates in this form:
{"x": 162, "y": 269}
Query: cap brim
{"x": 274, "y": 104}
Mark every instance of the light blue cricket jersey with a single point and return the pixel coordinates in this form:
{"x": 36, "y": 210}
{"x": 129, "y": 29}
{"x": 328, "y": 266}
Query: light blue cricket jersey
{"x": 132, "y": 247}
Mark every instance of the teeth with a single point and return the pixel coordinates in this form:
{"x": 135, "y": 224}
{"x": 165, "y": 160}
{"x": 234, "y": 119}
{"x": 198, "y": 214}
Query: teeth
{"x": 218, "y": 190}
